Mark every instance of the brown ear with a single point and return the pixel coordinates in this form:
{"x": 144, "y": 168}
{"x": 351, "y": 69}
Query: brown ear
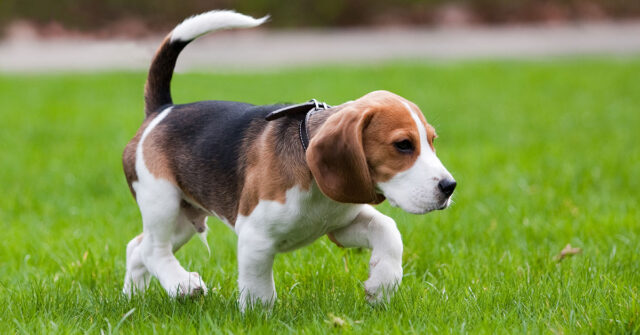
{"x": 337, "y": 161}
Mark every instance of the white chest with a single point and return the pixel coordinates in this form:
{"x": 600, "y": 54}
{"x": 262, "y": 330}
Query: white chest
{"x": 305, "y": 216}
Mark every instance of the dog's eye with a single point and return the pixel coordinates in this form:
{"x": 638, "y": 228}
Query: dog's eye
{"x": 404, "y": 146}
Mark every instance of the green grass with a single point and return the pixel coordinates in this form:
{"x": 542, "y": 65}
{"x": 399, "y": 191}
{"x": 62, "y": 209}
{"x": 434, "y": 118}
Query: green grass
{"x": 545, "y": 154}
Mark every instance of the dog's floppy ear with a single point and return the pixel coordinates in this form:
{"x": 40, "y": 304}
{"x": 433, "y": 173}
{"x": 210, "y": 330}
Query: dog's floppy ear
{"x": 337, "y": 160}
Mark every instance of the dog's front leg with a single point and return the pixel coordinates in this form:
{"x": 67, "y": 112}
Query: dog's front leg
{"x": 378, "y": 232}
{"x": 255, "y": 268}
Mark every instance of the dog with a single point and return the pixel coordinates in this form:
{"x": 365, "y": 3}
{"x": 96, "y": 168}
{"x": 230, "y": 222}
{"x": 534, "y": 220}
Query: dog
{"x": 280, "y": 176}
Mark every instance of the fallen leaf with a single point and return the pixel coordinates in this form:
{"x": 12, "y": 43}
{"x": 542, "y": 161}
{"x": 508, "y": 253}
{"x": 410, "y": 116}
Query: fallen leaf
{"x": 568, "y": 251}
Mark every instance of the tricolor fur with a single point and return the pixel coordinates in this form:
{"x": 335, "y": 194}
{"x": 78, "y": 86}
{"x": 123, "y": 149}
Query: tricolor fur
{"x": 221, "y": 158}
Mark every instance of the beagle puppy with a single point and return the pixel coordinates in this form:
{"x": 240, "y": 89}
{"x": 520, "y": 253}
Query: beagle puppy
{"x": 275, "y": 189}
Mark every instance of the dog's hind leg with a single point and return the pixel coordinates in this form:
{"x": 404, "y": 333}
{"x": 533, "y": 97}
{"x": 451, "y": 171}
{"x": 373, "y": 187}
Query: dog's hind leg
{"x": 138, "y": 277}
{"x": 166, "y": 228}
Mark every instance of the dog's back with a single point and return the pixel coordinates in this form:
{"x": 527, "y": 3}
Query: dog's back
{"x": 204, "y": 139}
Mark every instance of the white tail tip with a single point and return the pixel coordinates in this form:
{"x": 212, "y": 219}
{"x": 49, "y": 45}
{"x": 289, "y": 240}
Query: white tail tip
{"x": 201, "y": 24}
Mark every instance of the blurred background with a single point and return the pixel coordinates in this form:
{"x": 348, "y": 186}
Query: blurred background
{"x": 122, "y": 34}
{"x": 140, "y": 17}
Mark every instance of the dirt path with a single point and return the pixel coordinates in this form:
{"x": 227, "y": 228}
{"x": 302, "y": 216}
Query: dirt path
{"x": 260, "y": 49}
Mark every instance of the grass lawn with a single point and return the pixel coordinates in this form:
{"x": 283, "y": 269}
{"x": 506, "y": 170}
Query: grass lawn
{"x": 545, "y": 153}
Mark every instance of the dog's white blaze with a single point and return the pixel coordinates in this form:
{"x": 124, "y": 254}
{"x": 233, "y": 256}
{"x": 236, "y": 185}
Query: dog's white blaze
{"x": 416, "y": 190}
{"x": 201, "y": 24}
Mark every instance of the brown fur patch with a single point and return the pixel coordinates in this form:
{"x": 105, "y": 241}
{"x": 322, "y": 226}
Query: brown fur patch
{"x": 155, "y": 156}
{"x": 274, "y": 164}
{"x": 129, "y": 156}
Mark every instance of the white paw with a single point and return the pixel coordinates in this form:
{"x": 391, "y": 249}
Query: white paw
{"x": 136, "y": 282}
{"x": 190, "y": 285}
{"x": 251, "y": 301}
{"x": 383, "y": 282}
{"x": 137, "y": 277}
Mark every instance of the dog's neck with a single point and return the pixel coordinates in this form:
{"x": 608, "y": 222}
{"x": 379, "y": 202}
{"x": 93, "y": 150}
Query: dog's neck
{"x": 284, "y": 138}
{"x": 287, "y": 145}
{"x": 316, "y": 119}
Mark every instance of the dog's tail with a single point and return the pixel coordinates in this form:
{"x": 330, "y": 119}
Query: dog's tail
{"x": 157, "y": 91}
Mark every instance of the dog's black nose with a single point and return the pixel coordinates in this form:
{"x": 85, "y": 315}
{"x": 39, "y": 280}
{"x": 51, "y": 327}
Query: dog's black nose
{"x": 447, "y": 186}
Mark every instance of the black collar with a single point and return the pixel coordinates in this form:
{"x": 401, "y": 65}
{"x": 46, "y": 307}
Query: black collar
{"x": 301, "y": 111}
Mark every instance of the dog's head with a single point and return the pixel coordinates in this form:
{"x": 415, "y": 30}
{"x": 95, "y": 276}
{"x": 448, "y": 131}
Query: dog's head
{"x": 380, "y": 146}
